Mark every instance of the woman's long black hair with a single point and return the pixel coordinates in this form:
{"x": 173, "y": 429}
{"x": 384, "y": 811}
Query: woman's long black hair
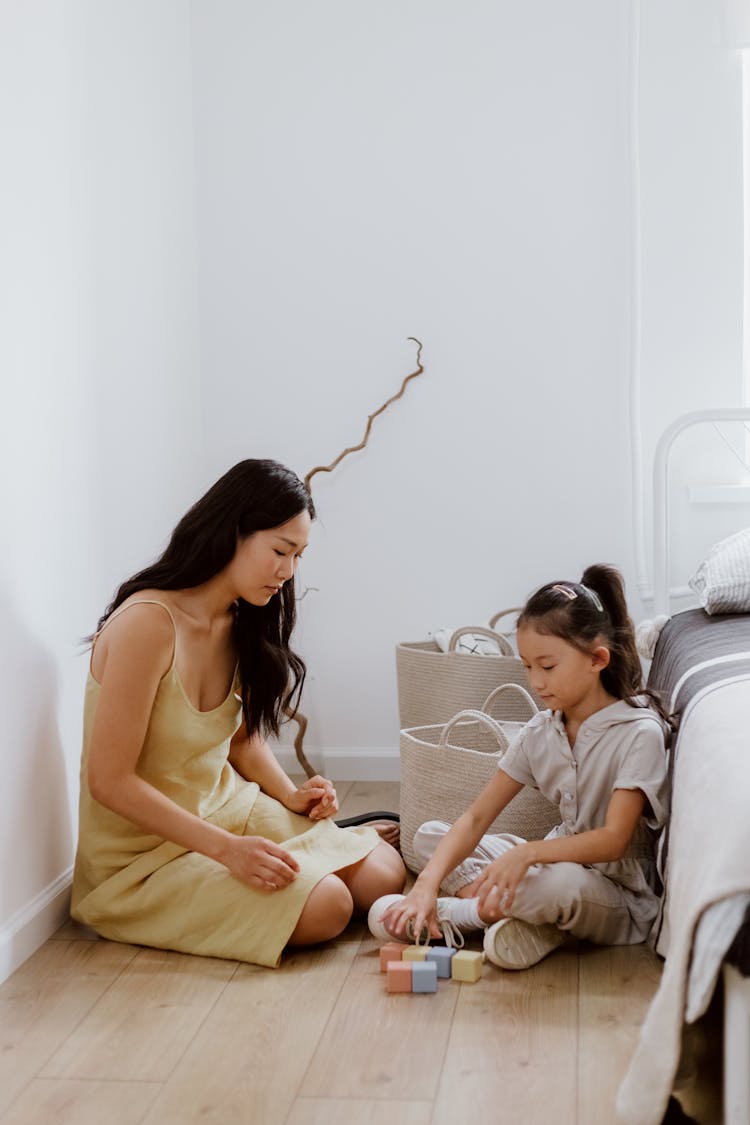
{"x": 254, "y": 495}
{"x": 580, "y": 613}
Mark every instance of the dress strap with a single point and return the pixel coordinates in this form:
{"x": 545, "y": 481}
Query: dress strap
{"x": 123, "y": 609}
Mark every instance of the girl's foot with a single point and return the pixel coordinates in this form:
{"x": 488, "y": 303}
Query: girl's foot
{"x": 456, "y": 917}
{"x": 513, "y": 944}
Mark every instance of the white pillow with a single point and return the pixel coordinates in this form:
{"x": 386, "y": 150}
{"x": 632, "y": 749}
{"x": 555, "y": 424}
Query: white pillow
{"x": 647, "y": 633}
{"x": 722, "y": 582}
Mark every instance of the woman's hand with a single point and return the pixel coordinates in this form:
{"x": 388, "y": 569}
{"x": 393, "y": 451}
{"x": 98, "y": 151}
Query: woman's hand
{"x": 496, "y": 886}
{"x": 259, "y": 862}
{"x": 418, "y": 908}
{"x": 316, "y": 799}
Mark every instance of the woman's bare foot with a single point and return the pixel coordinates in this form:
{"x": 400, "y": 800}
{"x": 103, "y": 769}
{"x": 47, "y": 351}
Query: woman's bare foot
{"x": 387, "y": 830}
{"x": 385, "y": 824}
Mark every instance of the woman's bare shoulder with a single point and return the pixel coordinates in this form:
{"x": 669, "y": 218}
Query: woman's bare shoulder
{"x": 139, "y": 630}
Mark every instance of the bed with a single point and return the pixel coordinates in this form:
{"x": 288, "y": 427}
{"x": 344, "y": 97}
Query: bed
{"x": 701, "y": 665}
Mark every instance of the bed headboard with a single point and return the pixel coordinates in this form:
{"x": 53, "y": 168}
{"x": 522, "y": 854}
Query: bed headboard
{"x": 661, "y": 493}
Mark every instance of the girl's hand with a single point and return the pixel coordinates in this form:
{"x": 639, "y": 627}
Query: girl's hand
{"x": 419, "y": 908}
{"x": 259, "y": 862}
{"x": 316, "y": 799}
{"x": 496, "y": 886}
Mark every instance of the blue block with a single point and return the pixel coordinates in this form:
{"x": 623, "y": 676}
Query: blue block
{"x": 442, "y": 955}
{"x": 423, "y": 976}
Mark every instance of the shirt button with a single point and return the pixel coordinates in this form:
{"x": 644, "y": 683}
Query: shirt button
{"x": 568, "y": 796}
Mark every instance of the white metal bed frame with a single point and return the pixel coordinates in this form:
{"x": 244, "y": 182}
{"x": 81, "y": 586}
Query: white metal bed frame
{"x": 736, "y": 1062}
{"x": 661, "y": 525}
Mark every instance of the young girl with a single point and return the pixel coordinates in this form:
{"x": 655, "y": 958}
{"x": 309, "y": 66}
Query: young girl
{"x": 191, "y": 835}
{"x": 599, "y": 754}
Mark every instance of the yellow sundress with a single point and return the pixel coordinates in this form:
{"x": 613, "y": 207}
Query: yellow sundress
{"x": 132, "y": 886}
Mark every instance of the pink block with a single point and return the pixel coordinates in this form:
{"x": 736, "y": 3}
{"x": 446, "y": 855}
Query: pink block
{"x": 392, "y": 951}
{"x": 398, "y": 976}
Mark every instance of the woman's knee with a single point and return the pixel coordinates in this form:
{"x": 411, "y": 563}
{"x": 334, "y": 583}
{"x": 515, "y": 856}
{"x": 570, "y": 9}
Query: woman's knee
{"x": 390, "y": 867}
{"x": 326, "y": 913}
{"x": 381, "y": 872}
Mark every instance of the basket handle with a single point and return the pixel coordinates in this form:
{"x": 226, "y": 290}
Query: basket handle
{"x": 476, "y": 716}
{"x": 503, "y": 613}
{"x": 497, "y": 692}
{"x": 506, "y": 648}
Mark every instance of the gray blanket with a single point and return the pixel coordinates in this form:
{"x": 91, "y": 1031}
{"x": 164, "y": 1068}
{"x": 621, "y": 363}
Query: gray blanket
{"x": 702, "y": 665}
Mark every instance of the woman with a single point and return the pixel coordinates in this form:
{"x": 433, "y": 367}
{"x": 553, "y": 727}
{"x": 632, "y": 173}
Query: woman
{"x": 191, "y": 835}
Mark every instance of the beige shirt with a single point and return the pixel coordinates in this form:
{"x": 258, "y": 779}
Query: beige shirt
{"x": 619, "y": 747}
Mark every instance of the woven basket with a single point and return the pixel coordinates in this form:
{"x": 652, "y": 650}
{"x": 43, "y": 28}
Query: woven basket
{"x": 434, "y": 685}
{"x": 441, "y": 778}
{"x": 492, "y": 623}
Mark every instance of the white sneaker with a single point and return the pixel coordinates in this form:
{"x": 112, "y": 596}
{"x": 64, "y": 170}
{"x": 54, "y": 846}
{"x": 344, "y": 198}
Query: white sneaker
{"x": 456, "y": 917}
{"x": 376, "y": 927}
{"x": 513, "y": 944}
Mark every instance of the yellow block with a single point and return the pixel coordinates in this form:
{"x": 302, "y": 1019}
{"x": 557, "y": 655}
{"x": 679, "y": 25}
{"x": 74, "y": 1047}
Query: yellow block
{"x": 415, "y": 953}
{"x": 466, "y": 966}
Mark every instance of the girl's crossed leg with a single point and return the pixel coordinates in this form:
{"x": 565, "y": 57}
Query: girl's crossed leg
{"x": 580, "y": 900}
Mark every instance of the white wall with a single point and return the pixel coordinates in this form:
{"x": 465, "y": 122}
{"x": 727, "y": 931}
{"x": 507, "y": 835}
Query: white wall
{"x": 458, "y": 174}
{"x": 464, "y": 174}
{"x": 690, "y": 133}
{"x": 100, "y": 438}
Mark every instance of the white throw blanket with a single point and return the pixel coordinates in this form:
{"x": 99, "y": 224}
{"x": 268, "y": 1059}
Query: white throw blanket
{"x": 708, "y": 863}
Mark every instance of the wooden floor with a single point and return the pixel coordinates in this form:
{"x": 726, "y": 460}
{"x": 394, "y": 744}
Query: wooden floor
{"x": 97, "y": 1033}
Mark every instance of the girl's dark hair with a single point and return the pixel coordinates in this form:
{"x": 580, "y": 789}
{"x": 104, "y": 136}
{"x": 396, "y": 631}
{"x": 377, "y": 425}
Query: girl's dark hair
{"x": 253, "y": 496}
{"x": 581, "y": 613}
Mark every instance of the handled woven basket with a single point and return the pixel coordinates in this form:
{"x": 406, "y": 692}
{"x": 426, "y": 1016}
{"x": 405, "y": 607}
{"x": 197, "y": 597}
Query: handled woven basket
{"x": 434, "y": 685}
{"x": 444, "y": 767}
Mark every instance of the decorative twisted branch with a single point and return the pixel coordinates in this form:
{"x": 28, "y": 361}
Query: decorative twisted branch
{"x": 299, "y": 739}
{"x": 370, "y": 419}
{"x": 299, "y": 718}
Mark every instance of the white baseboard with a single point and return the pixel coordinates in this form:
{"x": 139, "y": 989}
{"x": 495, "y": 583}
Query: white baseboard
{"x": 373, "y": 764}
{"x": 30, "y": 926}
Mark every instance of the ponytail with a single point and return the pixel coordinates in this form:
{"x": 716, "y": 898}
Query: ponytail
{"x": 581, "y": 612}
{"x": 623, "y": 676}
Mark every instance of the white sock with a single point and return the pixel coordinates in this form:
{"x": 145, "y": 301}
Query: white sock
{"x": 462, "y": 912}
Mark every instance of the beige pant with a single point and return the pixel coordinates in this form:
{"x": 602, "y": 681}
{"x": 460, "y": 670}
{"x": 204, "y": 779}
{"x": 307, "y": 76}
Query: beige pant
{"x": 578, "y": 899}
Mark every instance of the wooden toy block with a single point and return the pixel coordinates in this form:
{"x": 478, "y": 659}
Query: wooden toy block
{"x": 398, "y": 976}
{"x": 424, "y": 976}
{"x": 466, "y": 966}
{"x": 415, "y": 953}
{"x": 391, "y": 951}
{"x": 442, "y": 955}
